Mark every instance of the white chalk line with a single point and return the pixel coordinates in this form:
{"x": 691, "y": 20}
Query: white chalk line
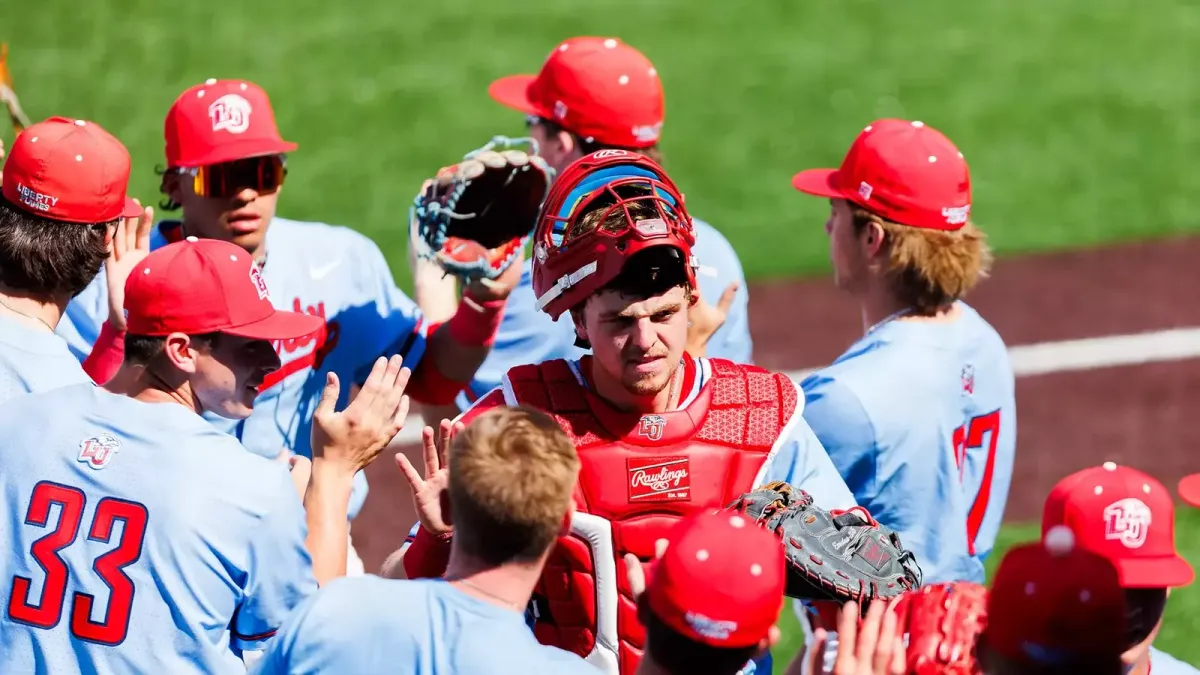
{"x": 1041, "y": 358}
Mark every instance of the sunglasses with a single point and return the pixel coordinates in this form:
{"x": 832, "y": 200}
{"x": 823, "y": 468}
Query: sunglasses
{"x": 262, "y": 174}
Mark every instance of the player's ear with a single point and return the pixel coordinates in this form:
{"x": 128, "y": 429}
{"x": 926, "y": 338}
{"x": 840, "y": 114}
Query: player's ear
{"x": 873, "y": 237}
{"x": 581, "y": 333}
{"x": 180, "y": 352}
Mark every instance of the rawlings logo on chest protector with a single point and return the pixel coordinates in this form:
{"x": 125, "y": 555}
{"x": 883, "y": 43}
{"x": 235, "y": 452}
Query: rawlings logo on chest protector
{"x": 659, "y": 479}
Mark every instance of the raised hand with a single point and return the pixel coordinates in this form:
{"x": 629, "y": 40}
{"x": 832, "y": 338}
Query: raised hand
{"x": 876, "y": 647}
{"x": 130, "y": 244}
{"x": 353, "y": 438}
{"x": 427, "y": 488}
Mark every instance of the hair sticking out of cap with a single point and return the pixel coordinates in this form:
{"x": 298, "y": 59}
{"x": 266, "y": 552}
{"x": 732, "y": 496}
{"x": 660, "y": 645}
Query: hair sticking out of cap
{"x": 1059, "y": 541}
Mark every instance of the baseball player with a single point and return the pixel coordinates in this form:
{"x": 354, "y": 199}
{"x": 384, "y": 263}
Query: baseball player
{"x": 62, "y": 206}
{"x": 919, "y": 414}
{"x": 694, "y": 625}
{"x": 1128, "y": 517}
{"x": 473, "y": 621}
{"x": 591, "y": 94}
{"x": 661, "y": 434}
{"x": 1054, "y": 609}
{"x": 143, "y": 539}
{"x": 225, "y": 169}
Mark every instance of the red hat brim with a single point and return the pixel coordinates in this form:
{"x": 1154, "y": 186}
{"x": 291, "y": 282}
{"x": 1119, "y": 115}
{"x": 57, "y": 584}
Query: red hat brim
{"x": 817, "y": 182}
{"x": 1189, "y": 489}
{"x": 513, "y": 92}
{"x": 280, "y": 325}
{"x": 1165, "y": 572}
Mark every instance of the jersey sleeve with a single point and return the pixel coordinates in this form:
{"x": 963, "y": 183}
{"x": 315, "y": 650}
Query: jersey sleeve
{"x": 719, "y": 267}
{"x": 841, "y": 424}
{"x": 801, "y": 461}
{"x": 86, "y": 313}
{"x": 396, "y": 326}
{"x": 279, "y": 569}
{"x": 340, "y": 630}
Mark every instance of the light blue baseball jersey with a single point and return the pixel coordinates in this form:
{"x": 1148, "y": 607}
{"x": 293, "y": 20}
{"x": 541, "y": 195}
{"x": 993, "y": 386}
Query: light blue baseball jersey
{"x": 34, "y": 360}
{"x": 323, "y": 270}
{"x": 920, "y": 419}
{"x": 527, "y": 335}
{"x": 140, "y": 539}
{"x": 426, "y": 627}
{"x": 1162, "y": 663}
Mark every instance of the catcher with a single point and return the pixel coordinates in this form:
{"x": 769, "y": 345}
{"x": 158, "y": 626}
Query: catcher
{"x": 226, "y": 166}
{"x": 660, "y": 434}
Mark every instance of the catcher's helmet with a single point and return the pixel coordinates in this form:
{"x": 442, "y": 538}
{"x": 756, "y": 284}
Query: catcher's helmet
{"x": 570, "y": 265}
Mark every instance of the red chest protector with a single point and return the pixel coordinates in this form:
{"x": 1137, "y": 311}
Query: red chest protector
{"x": 639, "y": 475}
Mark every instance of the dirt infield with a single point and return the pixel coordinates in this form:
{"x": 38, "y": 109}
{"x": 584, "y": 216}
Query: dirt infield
{"x": 1133, "y": 414}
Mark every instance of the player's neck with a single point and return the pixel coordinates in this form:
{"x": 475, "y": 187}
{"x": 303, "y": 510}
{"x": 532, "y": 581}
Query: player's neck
{"x": 1141, "y": 665}
{"x": 509, "y": 586}
{"x": 147, "y": 386}
{"x": 616, "y": 395}
{"x": 880, "y": 305}
{"x": 37, "y": 313}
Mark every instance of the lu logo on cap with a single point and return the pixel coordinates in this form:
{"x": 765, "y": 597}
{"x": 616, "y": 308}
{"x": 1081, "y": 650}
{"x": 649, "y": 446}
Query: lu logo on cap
{"x": 230, "y": 113}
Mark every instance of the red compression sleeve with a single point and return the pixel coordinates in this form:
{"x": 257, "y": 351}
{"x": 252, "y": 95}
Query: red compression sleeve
{"x": 474, "y": 325}
{"x": 107, "y": 354}
{"x": 476, "y": 322}
{"x": 427, "y": 555}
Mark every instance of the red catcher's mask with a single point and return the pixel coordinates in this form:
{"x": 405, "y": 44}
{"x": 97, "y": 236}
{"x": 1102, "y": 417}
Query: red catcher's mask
{"x": 570, "y": 266}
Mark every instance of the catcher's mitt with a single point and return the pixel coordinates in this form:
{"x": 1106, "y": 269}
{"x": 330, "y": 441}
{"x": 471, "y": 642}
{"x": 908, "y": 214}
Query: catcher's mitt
{"x": 944, "y": 623}
{"x": 832, "y": 555}
{"x": 474, "y": 218}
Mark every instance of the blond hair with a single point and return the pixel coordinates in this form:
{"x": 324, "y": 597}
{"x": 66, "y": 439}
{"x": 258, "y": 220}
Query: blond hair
{"x": 930, "y": 269}
{"x": 512, "y": 477}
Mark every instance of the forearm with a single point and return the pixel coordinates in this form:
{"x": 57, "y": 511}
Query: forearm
{"x": 326, "y": 505}
{"x": 393, "y": 566}
{"x": 434, "y": 291}
{"x": 107, "y": 354}
{"x": 455, "y": 351}
{"x": 427, "y": 556}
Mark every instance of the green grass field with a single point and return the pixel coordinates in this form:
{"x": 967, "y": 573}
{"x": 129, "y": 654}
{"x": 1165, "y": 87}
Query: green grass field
{"x": 1079, "y": 118}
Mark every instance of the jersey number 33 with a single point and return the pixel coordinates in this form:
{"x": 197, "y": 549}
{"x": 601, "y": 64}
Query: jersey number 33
{"x": 46, "y": 611}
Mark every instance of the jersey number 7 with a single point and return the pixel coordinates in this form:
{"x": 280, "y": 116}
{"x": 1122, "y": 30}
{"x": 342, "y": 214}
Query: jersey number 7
{"x": 971, "y": 436}
{"x": 46, "y": 611}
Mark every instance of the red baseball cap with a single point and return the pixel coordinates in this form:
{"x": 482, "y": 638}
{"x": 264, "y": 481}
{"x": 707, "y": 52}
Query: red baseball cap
{"x": 201, "y": 286}
{"x": 1054, "y": 603}
{"x": 220, "y": 121}
{"x": 1189, "y": 489}
{"x": 906, "y": 172}
{"x": 69, "y": 170}
{"x": 720, "y": 581}
{"x": 1126, "y": 516}
{"x": 598, "y": 88}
